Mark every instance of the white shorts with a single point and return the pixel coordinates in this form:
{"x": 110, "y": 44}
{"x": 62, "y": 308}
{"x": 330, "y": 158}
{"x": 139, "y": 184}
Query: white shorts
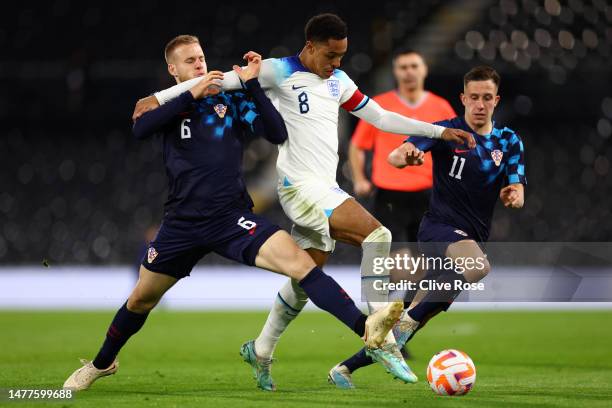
{"x": 309, "y": 205}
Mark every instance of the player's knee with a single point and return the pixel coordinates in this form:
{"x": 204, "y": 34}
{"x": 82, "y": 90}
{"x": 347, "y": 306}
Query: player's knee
{"x": 478, "y": 272}
{"x": 486, "y": 268}
{"x": 380, "y": 234}
{"x": 140, "y": 304}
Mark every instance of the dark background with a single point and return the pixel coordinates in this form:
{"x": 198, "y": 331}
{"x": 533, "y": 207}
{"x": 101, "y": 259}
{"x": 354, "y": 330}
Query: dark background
{"x": 75, "y": 187}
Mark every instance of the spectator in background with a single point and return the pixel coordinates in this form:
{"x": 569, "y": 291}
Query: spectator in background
{"x": 402, "y": 195}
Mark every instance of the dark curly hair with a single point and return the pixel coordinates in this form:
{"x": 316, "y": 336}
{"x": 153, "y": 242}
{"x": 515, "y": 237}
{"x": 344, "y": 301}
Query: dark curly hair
{"x": 326, "y": 26}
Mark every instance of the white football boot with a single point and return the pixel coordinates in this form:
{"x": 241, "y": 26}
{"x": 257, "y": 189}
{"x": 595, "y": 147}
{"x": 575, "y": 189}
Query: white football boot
{"x": 83, "y": 377}
{"x": 380, "y": 322}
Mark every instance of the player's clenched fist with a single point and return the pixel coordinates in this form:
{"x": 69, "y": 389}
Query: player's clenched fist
{"x": 406, "y": 155}
{"x": 209, "y": 85}
{"x": 459, "y": 136}
{"x": 362, "y": 188}
{"x": 512, "y": 196}
{"x": 252, "y": 70}
{"x": 414, "y": 156}
{"x": 144, "y": 105}
{"x": 251, "y": 55}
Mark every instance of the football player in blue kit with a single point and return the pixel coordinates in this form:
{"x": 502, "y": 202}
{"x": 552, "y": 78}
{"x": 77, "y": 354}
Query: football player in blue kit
{"x": 208, "y": 207}
{"x": 467, "y": 183}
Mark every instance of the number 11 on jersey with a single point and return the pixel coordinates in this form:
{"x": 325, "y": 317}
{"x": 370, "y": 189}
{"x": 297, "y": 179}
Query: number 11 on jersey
{"x": 460, "y": 170}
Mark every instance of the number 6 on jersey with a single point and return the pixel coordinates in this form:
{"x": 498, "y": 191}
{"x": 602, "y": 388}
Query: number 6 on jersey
{"x": 185, "y": 131}
{"x": 246, "y": 224}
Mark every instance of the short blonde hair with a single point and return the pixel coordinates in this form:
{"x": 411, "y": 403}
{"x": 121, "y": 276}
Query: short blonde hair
{"x": 177, "y": 41}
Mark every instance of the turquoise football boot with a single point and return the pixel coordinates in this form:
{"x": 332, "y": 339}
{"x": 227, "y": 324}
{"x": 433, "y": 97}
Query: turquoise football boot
{"x": 340, "y": 376}
{"x": 392, "y": 360}
{"x": 261, "y": 367}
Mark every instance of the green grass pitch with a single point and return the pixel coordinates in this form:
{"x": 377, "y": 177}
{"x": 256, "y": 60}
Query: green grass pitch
{"x": 190, "y": 359}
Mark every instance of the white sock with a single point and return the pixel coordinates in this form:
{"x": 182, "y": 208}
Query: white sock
{"x": 377, "y": 245}
{"x": 290, "y": 300}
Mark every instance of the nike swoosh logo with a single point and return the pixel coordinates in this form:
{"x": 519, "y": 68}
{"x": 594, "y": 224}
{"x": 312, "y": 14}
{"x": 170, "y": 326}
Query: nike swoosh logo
{"x": 297, "y": 87}
{"x": 461, "y": 151}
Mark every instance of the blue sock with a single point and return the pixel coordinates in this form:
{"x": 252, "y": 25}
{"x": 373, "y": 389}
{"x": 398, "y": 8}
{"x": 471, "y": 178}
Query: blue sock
{"x": 123, "y": 326}
{"x": 408, "y": 298}
{"x": 357, "y": 360}
{"x": 326, "y": 294}
{"x": 436, "y": 301}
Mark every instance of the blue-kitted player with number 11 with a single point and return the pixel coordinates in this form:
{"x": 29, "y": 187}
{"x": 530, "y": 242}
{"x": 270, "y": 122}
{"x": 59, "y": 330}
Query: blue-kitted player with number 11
{"x": 467, "y": 183}
{"x": 209, "y": 210}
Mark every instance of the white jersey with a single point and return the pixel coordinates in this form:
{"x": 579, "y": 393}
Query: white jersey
{"x": 309, "y": 106}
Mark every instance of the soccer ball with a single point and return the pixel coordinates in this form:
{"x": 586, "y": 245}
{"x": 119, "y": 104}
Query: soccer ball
{"x": 451, "y": 372}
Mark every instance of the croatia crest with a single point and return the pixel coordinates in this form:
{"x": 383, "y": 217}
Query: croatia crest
{"x": 333, "y": 86}
{"x": 220, "y": 109}
{"x": 151, "y": 254}
{"x": 497, "y": 155}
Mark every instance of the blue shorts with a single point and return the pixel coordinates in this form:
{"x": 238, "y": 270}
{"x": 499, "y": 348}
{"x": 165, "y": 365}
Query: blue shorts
{"x": 180, "y": 244}
{"x": 435, "y": 236}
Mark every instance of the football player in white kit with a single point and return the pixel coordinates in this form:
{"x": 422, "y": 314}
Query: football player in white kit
{"x": 308, "y": 90}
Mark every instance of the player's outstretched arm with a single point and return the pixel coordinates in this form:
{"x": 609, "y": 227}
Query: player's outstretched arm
{"x": 231, "y": 81}
{"x": 392, "y": 122}
{"x": 151, "y": 102}
{"x": 513, "y": 195}
{"x": 200, "y": 87}
{"x": 269, "y": 123}
{"x": 153, "y": 120}
{"x": 228, "y": 82}
{"x": 406, "y": 155}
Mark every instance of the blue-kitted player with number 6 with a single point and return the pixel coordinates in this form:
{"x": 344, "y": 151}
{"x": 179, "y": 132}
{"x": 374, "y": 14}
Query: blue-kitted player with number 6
{"x": 209, "y": 210}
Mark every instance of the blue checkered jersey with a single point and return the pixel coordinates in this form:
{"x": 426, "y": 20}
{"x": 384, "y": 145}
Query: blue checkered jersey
{"x": 203, "y": 146}
{"x": 467, "y": 182}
